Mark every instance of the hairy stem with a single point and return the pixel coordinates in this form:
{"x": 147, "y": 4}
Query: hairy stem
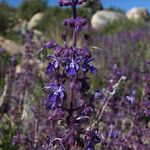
{"x": 115, "y": 87}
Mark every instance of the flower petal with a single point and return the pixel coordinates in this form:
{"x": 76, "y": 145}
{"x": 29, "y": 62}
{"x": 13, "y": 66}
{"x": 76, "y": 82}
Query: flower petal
{"x": 72, "y": 71}
{"x": 93, "y": 69}
{"x": 56, "y": 64}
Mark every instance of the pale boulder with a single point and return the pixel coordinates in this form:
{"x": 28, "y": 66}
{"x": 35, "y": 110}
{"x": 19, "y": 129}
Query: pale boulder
{"x": 102, "y": 18}
{"x": 11, "y": 46}
{"x": 137, "y": 14}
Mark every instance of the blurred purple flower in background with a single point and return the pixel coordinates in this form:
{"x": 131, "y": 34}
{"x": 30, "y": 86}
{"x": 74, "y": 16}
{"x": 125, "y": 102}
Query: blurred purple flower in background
{"x": 2, "y": 50}
{"x": 93, "y": 138}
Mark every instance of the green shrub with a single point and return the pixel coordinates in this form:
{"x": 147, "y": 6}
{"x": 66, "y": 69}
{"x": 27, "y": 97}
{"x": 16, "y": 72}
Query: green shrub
{"x": 6, "y": 137}
{"x": 118, "y": 26}
{"x": 51, "y": 24}
{"x": 53, "y": 17}
{"x": 3, "y": 22}
{"x": 30, "y": 7}
{"x": 93, "y": 6}
{"x": 116, "y": 9}
{"x": 7, "y": 18}
{"x": 4, "y": 17}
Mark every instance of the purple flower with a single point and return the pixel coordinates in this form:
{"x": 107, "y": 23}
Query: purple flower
{"x": 48, "y": 45}
{"x": 86, "y": 66}
{"x": 88, "y": 110}
{"x": 82, "y": 119}
{"x": 85, "y": 51}
{"x": 98, "y": 95}
{"x": 113, "y": 134}
{"x": 70, "y": 2}
{"x": 2, "y": 50}
{"x": 76, "y": 23}
{"x": 58, "y": 114}
{"x": 14, "y": 59}
{"x": 72, "y": 67}
{"x": 53, "y": 65}
{"x": 65, "y": 3}
{"x": 64, "y": 36}
{"x": 56, "y": 96}
{"x": 130, "y": 99}
{"x": 23, "y": 139}
{"x": 16, "y": 139}
{"x": 57, "y": 50}
{"x": 93, "y": 139}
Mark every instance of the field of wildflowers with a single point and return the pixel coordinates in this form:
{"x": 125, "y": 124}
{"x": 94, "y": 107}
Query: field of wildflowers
{"x": 80, "y": 90}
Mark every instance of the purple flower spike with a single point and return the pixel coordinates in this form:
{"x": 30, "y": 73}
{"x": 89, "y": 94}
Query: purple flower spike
{"x": 72, "y": 67}
{"x": 86, "y": 66}
{"x": 77, "y": 23}
{"x": 70, "y": 108}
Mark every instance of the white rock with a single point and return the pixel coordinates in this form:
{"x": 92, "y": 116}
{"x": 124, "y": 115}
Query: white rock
{"x": 20, "y": 25}
{"x": 102, "y": 18}
{"x": 137, "y": 14}
{"x": 35, "y": 20}
{"x": 11, "y": 46}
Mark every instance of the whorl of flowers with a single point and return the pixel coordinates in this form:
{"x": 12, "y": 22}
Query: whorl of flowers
{"x": 71, "y": 2}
